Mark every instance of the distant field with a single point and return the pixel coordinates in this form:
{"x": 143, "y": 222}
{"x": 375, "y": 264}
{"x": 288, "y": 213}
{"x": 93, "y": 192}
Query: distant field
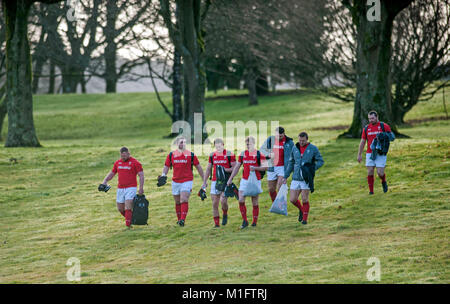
{"x": 50, "y": 209}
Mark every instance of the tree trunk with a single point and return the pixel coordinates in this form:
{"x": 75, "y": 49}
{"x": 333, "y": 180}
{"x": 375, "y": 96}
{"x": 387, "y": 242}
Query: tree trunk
{"x": 51, "y": 80}
{"x": 185, "y": 96}
{"x": 21, "y": 131}
{"x": 373, "y": 85}
{"x": 3, "y": 112}
{"x": 262, "y": 84}
{"x": 177, "y": 88}
{"x": 250, "y": 81}
{"x": 70, "y": 79}
{"x": 193, "y": 62}
{"x": 39, "y": 58}
{"x": 110, "y": 68}
{"x": 83, "y": 84}
{"x": 111, "y": 50}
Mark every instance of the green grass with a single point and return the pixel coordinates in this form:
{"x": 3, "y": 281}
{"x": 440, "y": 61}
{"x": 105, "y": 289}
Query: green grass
{"x": 50, "y": 209}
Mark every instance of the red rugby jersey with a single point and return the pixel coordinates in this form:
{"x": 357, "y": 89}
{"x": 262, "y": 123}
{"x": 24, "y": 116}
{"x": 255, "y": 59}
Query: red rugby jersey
{"x": 181, "y": 164}
{"x": 127, "y": 172}
{"x": 221, "y": 159}
{"x": 278, "y": 149}
{"x": 250, "y": 159}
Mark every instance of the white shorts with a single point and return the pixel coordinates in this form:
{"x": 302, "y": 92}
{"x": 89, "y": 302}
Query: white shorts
{"x": 277, "y": 171}
{"x": 181, "y": 187}
{"x": 379, "y": 162}
{"x": 213, "y": 189}
{"x": 299, "y": 185}
{"x": 125, "y": 194}
{"x": 243, "y": 184}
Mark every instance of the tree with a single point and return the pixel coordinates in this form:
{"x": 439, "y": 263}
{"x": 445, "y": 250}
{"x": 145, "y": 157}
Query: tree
{"x": 69, "y": 42}
{"x": 21, "y": 131}
{"x": 117, "y": 34}
{"x": 3, "y": 110}
{"x": 422, "y": 33}
{"x": 157, "y": 55}
{"x": 373, "y": 86}
{"x": 187, "y": 37}
{"x": 276, "y": 38}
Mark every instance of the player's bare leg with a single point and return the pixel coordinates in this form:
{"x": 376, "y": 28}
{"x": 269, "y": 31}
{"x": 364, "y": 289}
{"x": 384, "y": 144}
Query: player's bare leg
{"x": 272, "y": 186}
{"x": 382, "y": 176}
{"x": 121, "y": 208}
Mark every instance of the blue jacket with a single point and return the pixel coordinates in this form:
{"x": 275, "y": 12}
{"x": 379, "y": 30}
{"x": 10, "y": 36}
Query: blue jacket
{"x": 304, "y": 167}
{"x": 266, "y": 148}
{"x": 380, "y": 145}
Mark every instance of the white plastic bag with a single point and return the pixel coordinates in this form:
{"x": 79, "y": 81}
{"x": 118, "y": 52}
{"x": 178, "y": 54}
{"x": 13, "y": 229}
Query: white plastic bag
{"x": 280, "y": 203}
{"x": 253, "y": 187}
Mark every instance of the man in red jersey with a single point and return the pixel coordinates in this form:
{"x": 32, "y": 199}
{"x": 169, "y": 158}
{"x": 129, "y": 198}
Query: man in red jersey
{"x": 253, "y": 162}
{"x": 182, "y": 161}
{"x": 227, "y": 160}
{"x": 379, "y": 161}
{"x": 127, "y": 168}
{"x": 277, "y": 149}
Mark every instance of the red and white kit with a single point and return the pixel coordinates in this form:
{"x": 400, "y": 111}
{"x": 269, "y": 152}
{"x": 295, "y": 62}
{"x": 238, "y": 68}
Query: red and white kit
{"x": 127, "y": 172}
{"x": 183, "y": 177}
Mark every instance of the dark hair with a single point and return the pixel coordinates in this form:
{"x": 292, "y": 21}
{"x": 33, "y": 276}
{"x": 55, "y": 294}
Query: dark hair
{"x": 303, "y": 134}
{"x": 373, "y": 112}
{"x": 280, "y": 130}
{"x": 124, "y": 149}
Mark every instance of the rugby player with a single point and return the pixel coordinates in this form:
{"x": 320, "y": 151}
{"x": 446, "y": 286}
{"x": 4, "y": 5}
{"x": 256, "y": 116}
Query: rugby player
{"x": 127, "y": 168}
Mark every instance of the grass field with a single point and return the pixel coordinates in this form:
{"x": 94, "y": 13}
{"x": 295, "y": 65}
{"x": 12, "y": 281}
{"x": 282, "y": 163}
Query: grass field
{"x": 50, "y": 209}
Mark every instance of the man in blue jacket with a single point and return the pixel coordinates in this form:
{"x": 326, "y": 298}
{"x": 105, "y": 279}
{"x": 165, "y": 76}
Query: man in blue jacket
{"x": 304, "y": 161}
{"x": 277, "y": 149}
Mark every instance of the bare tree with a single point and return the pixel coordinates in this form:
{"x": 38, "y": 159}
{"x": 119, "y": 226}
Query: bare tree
{"x": 187, "y": 37}
{"x": 421, "y": 54}
{"x": 21, "y": 131}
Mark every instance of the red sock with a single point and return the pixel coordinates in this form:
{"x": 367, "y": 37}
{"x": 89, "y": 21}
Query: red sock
{"x": 243, "y": 211}
{"x": 298, "y": 205}
{"x": 383, "y": 178}
{"x": 122, "y": 212}
{"x": 255, "y": 213}
{"x": 305, "y": 211}
{"x": 370, "y": 182}
{"x": 273, "y": 195}
{"x": 184, "y": 210}
{"x": 128, "y": 216}
{"x": 178, "y": 210}
{"x": 225, "y": 211}
{"x": 216, "y": 220}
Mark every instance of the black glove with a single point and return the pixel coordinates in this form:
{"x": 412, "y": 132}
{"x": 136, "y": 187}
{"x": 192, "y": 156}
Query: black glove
{"x": 162, "y": 180}
{"x": 202, "y": 194}
{"x": 103, "y": 187}
{"x": 232, "y": 191}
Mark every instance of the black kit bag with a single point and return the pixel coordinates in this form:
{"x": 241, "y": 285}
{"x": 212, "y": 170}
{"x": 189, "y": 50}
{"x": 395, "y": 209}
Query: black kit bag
{"x": 140, "y": 210}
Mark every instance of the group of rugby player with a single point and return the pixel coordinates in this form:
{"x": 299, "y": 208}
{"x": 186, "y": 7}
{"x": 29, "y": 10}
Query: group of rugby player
{"x": 278, "y": 155}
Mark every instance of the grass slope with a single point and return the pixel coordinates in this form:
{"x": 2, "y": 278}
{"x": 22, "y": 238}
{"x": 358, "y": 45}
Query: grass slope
{"x": 51, "y": 209}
